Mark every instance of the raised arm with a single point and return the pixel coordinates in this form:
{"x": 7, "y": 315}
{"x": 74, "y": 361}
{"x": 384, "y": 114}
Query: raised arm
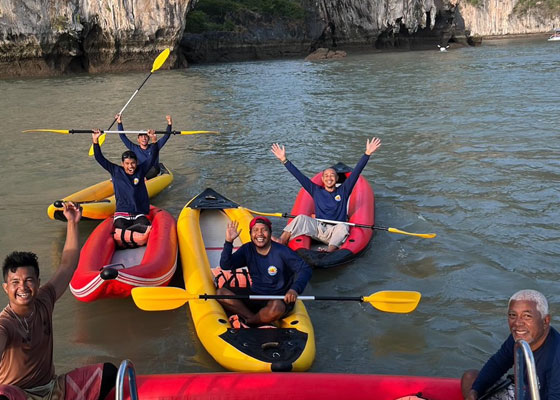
{"x": 99, "y": 157}
{"x": 371, "y": 147}
{"x": 280, "y": 153}
{"x": 129, "y": 145}
{"x": 227, "y": 259}
{"x": 167, "y": 135}
{"x": 70, "y": 252}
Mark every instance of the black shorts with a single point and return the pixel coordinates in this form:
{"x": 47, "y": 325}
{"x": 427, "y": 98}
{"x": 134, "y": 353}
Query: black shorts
{"x": 256, "y": 305}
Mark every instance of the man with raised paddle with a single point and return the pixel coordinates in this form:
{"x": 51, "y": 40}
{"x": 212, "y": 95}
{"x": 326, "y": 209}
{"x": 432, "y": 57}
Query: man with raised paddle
{"x": 26, "y": 329}
{"x": 529, "y": 320}
{"x": 331, "y": 201}
{"x": 144, "y": 148}
{"x": 274, "y": 268}
{"x": 131, "y": 194}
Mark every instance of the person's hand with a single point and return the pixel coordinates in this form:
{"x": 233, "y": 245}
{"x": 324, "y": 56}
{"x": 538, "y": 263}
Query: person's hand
{"x": 169, "y": 120}
{"x": 118, "y": 118}
{"x": 152, "y": 135}
{"x": 279, "y": 151}
{"x": 290, "y": 296}
{"x": 72, "y": 211}
{"x": 232, "y": 231}
{"x": 373, "y": 145}
{"x": 473, "y": 395}
{"x": 95, "y": 135}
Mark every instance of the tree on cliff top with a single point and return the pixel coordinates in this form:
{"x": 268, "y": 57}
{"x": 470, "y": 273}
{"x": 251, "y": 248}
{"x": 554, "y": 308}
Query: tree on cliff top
{"x": 223, "y": 15}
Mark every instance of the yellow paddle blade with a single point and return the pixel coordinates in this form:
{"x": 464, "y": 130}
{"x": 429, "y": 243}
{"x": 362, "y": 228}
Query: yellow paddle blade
{"x": 62, "y": 131}
{"x": 422, "y": 235}
{"x": 280, "y": 215}
{"x": 394, "y": 301}
{"x": 101, "y": 141}
{"x": 160, "y": 298}
{"x": 158, "y": 62}
{"x": 195, "y": 132}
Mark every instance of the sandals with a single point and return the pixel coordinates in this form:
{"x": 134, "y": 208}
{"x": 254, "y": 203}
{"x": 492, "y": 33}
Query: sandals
{"x": 237, "y": 322}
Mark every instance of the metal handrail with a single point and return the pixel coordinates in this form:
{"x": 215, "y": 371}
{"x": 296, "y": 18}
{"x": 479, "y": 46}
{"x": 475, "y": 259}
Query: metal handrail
{"x": 126, "y": 367}
{"x": 523, "y": 357}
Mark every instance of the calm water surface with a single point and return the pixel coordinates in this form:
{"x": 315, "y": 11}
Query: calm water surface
{"x": 470, "y": 151}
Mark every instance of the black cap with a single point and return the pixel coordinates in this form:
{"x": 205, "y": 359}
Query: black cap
{"x": 128, "y": 154}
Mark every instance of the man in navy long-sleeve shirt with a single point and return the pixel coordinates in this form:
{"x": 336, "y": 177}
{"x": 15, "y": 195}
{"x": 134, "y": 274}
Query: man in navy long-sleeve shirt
{"x": 144, "y": 149}
{"x": 331, "y": 202}
{"x": 133, "y": 202}
{"x": 274, "y": 268}
{"x": 529, "y": 320}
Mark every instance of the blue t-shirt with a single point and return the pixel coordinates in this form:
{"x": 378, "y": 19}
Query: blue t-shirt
{"x": 142, "y": 154}
{"x": 130, "y": 190}
{"x": 547, "y": 362}
{"x": 274, "y": 274}
{"x": 330, "y": 205}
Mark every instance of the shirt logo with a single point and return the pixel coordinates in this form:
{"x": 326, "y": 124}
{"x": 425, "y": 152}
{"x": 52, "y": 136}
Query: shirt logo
{"x": 272, "y": 270}
{"x": 136, "y": 180}
{"x": 337, "y": 197}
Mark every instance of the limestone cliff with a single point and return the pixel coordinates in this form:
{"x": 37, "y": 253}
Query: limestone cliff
{"x": 45, "y": 37}
{"x": 381, "y": 24}
{"x": 501, "y": 17}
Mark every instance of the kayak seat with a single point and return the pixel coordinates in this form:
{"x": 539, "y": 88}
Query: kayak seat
{"x": 238, "y": 278}
{"x": 134, "y": 236}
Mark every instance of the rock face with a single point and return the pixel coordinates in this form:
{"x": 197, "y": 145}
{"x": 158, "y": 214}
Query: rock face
{"x": 381, "y": 24}
{"x": 46, "y": 37}
{"x": 497, "y": 18}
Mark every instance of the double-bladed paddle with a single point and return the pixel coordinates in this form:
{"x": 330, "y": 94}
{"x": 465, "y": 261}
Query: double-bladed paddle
{"x": 158, "y": 62}
{"x": 72, "y": 131}
{"x": 59, "y": 203}
{"x": 328, "y": 221}
{"x": 169, "y": 298}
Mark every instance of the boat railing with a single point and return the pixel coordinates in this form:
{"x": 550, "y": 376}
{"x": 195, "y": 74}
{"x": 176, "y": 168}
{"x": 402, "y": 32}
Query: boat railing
{"x": 523, "y": 359}
{"x": 126, "y": 368}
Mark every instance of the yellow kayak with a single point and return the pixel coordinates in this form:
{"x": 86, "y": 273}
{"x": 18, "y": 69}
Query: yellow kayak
{"x": 201, "y": 231}
{"x": 104, "y": 194}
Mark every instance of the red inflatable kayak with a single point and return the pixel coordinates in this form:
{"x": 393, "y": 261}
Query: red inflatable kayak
{"x": 360, "y": 211}
{"x": 103, "y": 271}
{"x": 294, "y": 386}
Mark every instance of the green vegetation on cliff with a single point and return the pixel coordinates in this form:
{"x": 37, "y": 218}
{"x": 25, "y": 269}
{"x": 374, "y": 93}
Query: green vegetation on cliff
{"x": 548, "y": 6}
{"x": 223, "y": 15}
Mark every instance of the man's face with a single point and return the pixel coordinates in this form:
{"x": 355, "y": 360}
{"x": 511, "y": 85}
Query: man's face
{"x": 129, "y": 165}
{"x": 525, "y": 322}
{"x": 260, "y": 235}
{"x": 329, "y": 178}
{"x": 21, "y": 287}
{"x": 143, "y": 141}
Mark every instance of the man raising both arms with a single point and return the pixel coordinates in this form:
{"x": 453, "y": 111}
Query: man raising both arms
{"x": 144, "y": 148}
{"x": 26, "y": 329}
{"x": 331, "y": 202}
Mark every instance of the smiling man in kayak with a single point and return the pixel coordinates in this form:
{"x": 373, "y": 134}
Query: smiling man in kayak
{"x": 274, "y": 268}
{"x": 144, "y": 148}
{"x": 331, "y": 202}
{"x": 133, "y": 202}
{"x": 529, "y": 320}
{"x": 26, "y": 329}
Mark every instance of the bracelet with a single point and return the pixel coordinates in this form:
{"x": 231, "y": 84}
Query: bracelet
{"x": 285, "y": 161}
